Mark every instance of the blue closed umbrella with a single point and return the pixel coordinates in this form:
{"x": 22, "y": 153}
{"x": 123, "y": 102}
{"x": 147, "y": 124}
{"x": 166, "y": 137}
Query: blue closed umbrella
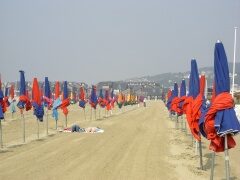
{"x": 47, "y": 92}
{"x": 226, "y": 121}
{"x": 100, "y": 93}
{"x": 65, "y": 90}
{"x": 194, "y": 84}
{"x": 21, "y": 103}
{"x": 47, "y": 100}
{"x": 1, "y": 110}
{"x": 183, "y": 88}
{"x": 174, "y": 94}
{"x": 182, "y": 93}
{"x": 93, "y": 99}
{"x": 221, "y": 122}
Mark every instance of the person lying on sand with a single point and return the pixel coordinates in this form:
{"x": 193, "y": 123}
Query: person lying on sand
{"x": 76, "y": 128}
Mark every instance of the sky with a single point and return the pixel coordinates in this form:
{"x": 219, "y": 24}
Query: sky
{"x": 103, "y": 40}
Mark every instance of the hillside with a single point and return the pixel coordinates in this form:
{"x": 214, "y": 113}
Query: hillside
{"x": 168, "y": 79}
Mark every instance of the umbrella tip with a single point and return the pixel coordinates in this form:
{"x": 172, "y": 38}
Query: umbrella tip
{"x": 21, "y": 71}
{"x": 218, "y": 41}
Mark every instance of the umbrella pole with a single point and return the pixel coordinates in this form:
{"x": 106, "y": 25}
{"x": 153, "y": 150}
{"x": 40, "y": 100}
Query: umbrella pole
{"x": 23, "y": 126}
{"x": 37, "y": 129}
{"x": 47, "y": 122}
{"x": 66, "y": 120}
{"x": 95, "y": 112}
{"x": 0, "y": 133}
{"x": 226, "y": 158}
{"x": 200, "y": 153}
{"x": 56, "y": 124}
{"x": 212, "y": 165}
{"x": 84, "y": 114}
{"x": 99, "y": 112}
{"x": 91, "y": 114}
{"x": 185, "y": 127}
{"x": 196, "y": 147}
{"x": 182, "y": 122}
{"x": 176, "y": 123}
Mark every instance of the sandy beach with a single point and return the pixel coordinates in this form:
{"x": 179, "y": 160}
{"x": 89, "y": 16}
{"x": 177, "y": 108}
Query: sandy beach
{"x": 137, "y": 143}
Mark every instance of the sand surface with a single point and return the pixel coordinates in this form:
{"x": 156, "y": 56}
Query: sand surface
{"x": 137, "y": 143}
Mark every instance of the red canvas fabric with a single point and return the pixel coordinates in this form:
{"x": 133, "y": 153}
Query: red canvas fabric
{"x": 221, "y": 102}
{"x": 191, "y": 108}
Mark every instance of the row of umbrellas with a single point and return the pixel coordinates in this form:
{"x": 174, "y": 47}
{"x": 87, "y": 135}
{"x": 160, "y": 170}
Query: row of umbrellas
{"x": 38, "y": 102}
{"x": 216, "y": 121}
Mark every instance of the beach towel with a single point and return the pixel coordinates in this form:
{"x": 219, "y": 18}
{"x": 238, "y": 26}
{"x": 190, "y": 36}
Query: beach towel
{"x": 76, "y": 128}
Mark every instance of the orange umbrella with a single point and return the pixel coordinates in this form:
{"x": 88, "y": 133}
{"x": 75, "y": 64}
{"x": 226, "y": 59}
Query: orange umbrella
{"x": 36, "y": 100}
{"x": 57, "y": 92}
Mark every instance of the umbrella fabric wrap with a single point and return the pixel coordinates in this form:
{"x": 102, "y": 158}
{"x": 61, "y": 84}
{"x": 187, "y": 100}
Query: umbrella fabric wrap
{"x": 49, "y": 102}
{"x": 220, "y": 112}
{"x": 112, "y": 101}
{"x": 169, "y": 94}
{"x": 5, "y": 100}
{"x": 173, "y": 99}
{"x": 177, "y": 104}
{"x": 13, "y": 108}
{"x": 23, "y": 101}
{"x": 102, "y": 102}
{"x": 170, "y": 100}
{"x": 2, "y": 104}
{"x": 82, "y": 103}
{"x": 56, "y": 104}
{"x": 174, "y": 104}
{"x": 64, "y": 105}
{"x": 38, "y": 111}
{"x": 120, "y": 100}
{"x": 107, "y": 100}
{"x": 191, "y": 108}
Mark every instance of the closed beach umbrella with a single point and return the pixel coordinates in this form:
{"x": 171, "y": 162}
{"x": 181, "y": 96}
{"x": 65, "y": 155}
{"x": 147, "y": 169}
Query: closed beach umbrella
{"x": 12, "y": 99}
{"x": 82, "y": 101}
{"x": 65, "y": 101}
{"x": 1, "y": 111}
{"x": 182, "y": 96}
{"x": 174, "y": 102}
{"x": 120, "y": 100}
{"x": 22, "y": 99}
{"x": 93, "y": 98}
{"x": 101, "y": 100}
{"x": 194, "y": 84}
{"x": 57, "y": 102}
{"x": 7, "y": 103}
{"x": 107, "y": 99}
{"x": 47, "y": 100}
{"x": 36, "y": 102}
{"x": 221, "y": 122}
{"x": 192, "y": 104}
{"x": 221, "y": 118}
{"x": 57, "y": 90}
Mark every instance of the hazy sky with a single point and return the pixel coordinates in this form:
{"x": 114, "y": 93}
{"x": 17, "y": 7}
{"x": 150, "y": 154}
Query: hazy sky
{"x": 99, "y": 40}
